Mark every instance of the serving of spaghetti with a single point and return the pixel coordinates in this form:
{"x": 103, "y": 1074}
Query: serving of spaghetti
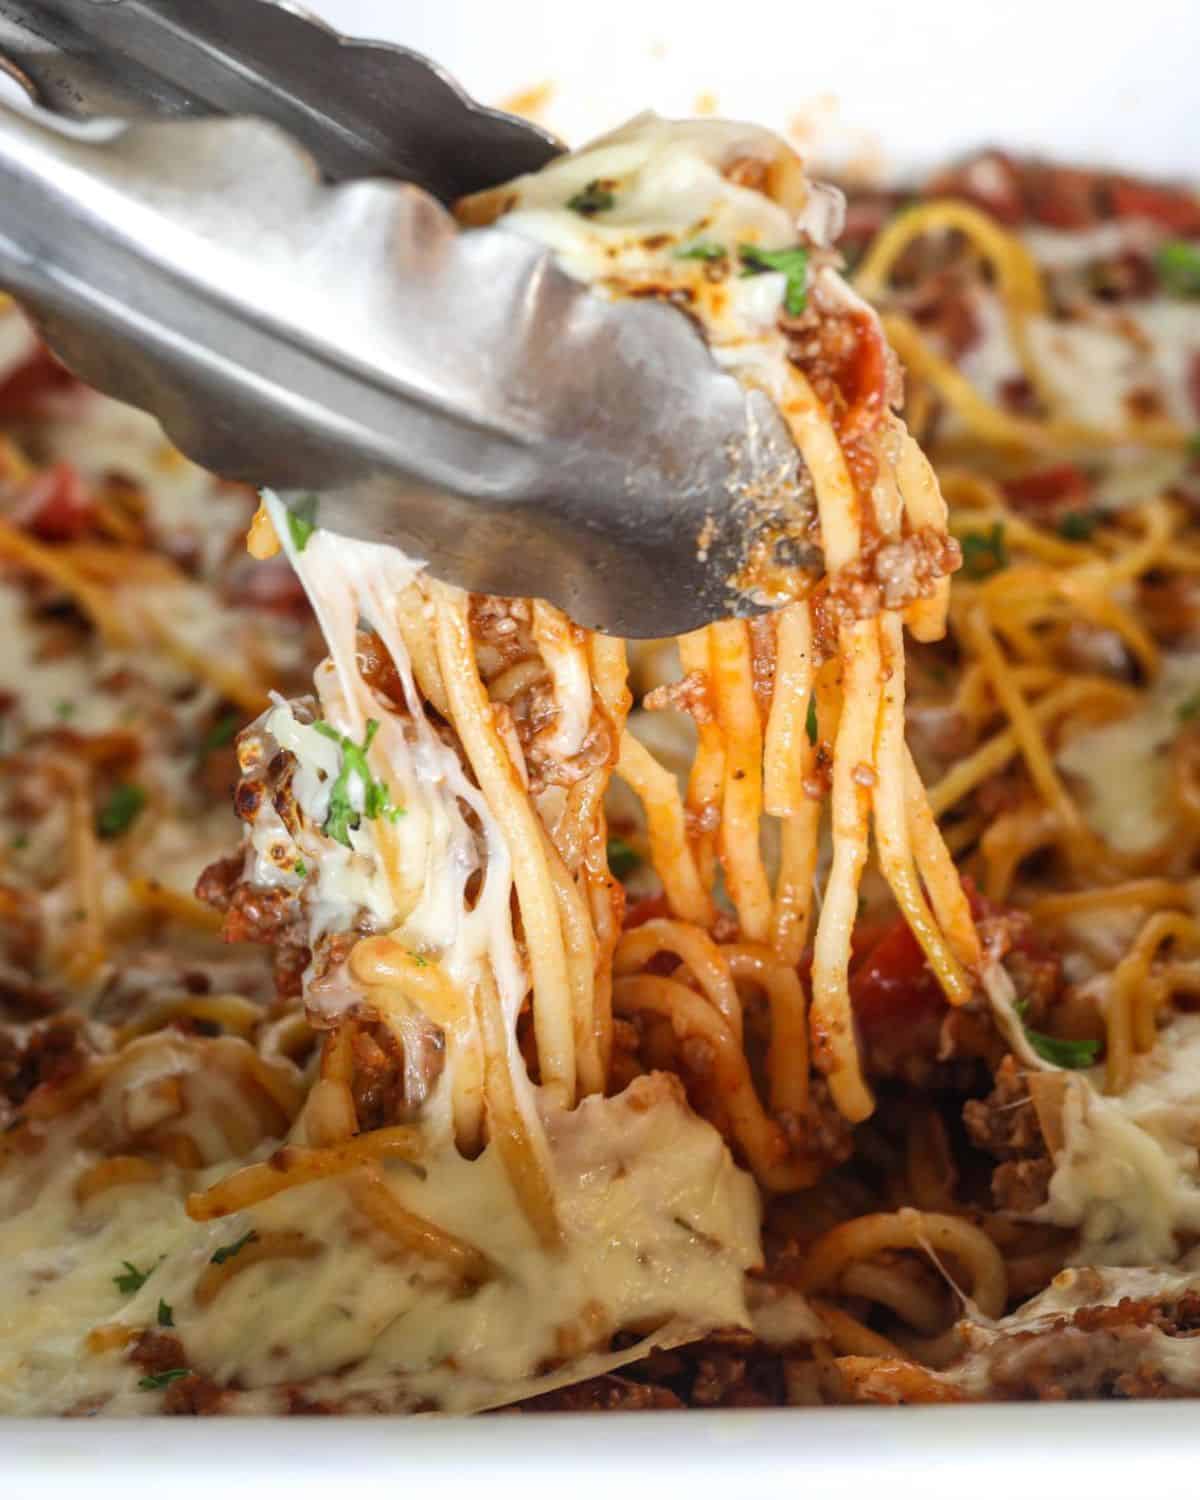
{"x": 797, "y": 1012}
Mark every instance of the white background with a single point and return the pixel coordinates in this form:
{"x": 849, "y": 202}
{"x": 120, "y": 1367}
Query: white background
{"x": 885, "y": 81}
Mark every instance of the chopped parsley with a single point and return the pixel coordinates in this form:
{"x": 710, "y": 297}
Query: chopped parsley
{"x": 1189, "y": 709}
{"x": 124, "y": 803}
{"x": 166, "y": 1314}
{"x": 302, "y": 520}
{"x": 700, "y": 250}
{"x": 1078, "y": 525}
{"x": 623, "y": 858}
{"x": 220, "y": 734}
{"x": 227, "y": 1252}
{"x": 984, "y": 552}
{"x": 596, "y": 198}
{"x": 1061, "y": 1051}
{"x": 19, "y": 841}
{"x": 419, "y": 960}
{"x": 794, "y": 265}
{"x": 163, "y": 1379}
{"x": 810, "y": 719}
{"x": 300, "y": 868}
{"x": 1178, "y": 266}
{"x": 131, "y": 1279}
{"x": 376, "y": 798}
{"x": 64, "y": 708}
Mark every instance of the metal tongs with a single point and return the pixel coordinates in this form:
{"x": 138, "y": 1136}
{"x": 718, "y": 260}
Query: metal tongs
{"x": 228, "y": 214}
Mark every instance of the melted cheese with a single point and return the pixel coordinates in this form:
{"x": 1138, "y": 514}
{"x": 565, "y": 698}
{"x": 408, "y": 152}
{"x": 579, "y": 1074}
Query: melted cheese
{"x": 660, "y": 1228}
{"x": 1124, "y": 764}
{"x": 1128, "y": 1177}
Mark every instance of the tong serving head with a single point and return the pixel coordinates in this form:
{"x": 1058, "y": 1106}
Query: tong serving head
{"x": 298, "y": 318}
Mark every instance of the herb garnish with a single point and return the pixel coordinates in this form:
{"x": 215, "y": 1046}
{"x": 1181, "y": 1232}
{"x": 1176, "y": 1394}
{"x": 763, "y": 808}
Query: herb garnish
{"x": 166, "y": 1314}
{"x": 64, "y": 708}
{"x": 596, "y": 198}
{"x": 163, "y": 1379}
{"x": 19, "y": 841}
{"x": 700, "y": 250}
{"x": 810, "y": 719}
{"x": 984, "y": 552}
{"x": 124, "y": 803}
{"x": 623, "y": 858}
{"x": 794, "y": 265}
{"x": 1078, "y": 525}
{"x": 376, "y": 799}
{"x": 131, "y": 1279}
{"x": 302, "y": 520}
{"x": 1178, "y": 266}
{"x": 227, "y": 1252}
{"x": 300, "y": 868}
{"x": 1061, "y": 1051}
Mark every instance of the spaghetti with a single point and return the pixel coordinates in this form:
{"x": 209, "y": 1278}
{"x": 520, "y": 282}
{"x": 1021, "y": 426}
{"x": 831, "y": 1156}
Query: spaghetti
{"x": 567, "y": 982}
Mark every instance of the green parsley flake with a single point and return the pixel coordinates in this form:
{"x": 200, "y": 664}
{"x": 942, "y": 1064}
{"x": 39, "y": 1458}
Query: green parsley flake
{"x": 131, "y": 1279}
{"x": 166, "y": 1314}
{"x": 984, "y": 552}
{"x": 19, "y": 841}
{"x": 376, "y": 798}
{"x": 623, "y": 858}
{"x": 124, "y": 803}
{"x": 810, "y": 719}
{"x": 794, "y": 265}
{"x": 1178, "y": 266}
{"x": 1061, "y": 1051}
{"x": 1189, "y": 709}
{"x": 163, "y": 1379}
{"x": 227, "y": 1252}
{"x": 300, "y": 868}
{"x": 700, "y": 250}
{"x": 419, "y": 960}
{"x": 220, "y": 734}
{"x": 64, "y": 708}
{"x": 1078, "y": 525}
{"x": 302, "y": 520}
{"x": 596, "y": 198}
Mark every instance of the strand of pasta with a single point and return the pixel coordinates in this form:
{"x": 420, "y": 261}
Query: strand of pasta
{"x": 831, "y": 1018}
{"x": 707, "y": 963}
{"x": 787, "y": 1052}
{"x": 789, "y": 763}
{"x": 706, "y": 778}
{"x": 692, "y": 1017}
{"x": 471, "y": 715}
{"x": 666, "y": 828}
{"x": 506, "y": 1123}
{"x": 893, "y": 824}
{"x": 977, "y": 632}
{"x": 741, "y": 792}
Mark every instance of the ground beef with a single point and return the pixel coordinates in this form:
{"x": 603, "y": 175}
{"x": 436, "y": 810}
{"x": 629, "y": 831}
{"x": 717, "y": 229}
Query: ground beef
{"x": 51, "y": 1054}
{"x": 1005, "y": 1126}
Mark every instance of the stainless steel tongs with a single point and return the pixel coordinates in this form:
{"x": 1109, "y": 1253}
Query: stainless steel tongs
{"x": 330, "y": 330}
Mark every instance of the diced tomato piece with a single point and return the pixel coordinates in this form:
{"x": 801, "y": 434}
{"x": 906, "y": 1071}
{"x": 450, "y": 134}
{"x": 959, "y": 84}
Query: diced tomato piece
{"x": 1173, "y": 208}
{"x": 1047, "y": 487}
{"x": 24, "y": 389}
{"x": 897, "y": 1001}
{"x": 57, "y": 506}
